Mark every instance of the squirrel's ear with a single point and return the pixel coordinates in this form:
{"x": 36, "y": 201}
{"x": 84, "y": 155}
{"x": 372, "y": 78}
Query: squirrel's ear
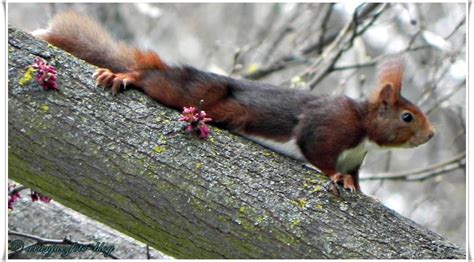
{"x": 390, "y": 76}
{"x": 386, "y": 94}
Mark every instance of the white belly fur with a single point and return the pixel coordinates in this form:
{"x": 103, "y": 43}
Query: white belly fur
{"x": 351, "y": 158}
{"x": 289, "y": 148}
{"x": 347, "y": 160}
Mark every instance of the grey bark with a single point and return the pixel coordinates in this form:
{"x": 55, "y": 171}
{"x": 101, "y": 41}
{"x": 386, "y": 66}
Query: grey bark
{"x": 126, "y": 162}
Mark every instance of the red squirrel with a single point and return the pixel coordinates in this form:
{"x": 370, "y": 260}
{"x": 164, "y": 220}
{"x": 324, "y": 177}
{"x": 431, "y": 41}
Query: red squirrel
{"x": 332, "y": 133}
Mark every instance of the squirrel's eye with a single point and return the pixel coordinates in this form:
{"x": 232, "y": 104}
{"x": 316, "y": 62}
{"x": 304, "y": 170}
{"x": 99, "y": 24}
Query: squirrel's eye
{"x": 407, "y": 117}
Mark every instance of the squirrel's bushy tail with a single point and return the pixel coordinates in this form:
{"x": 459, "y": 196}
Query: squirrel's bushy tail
{"x": 86, "y": 39}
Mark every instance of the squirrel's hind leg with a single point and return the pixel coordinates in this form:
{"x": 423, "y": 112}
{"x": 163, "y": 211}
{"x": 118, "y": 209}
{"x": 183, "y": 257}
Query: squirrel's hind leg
{"x": 107, "y": 78}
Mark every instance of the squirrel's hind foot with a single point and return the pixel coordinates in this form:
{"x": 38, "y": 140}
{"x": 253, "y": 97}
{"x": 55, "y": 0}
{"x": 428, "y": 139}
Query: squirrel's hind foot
{"x": 106, "y": 78}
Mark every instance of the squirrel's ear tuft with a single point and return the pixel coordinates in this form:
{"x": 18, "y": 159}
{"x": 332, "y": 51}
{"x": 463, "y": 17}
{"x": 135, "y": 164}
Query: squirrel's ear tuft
{"x": 391, "y": 71}
{"x": 390, "y": 78}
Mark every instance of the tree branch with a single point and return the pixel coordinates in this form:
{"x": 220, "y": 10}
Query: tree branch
{"x": 443, "y": 168}
{"x": 325, "y": 64}
{"x": 298, "y": 58}
{"x": 16, "y": 190}
{"x": 456, "y": 28}
{"x": 324, "y": 24}
{"x": 126, "y": 162}
{"x": 438, "y": 102}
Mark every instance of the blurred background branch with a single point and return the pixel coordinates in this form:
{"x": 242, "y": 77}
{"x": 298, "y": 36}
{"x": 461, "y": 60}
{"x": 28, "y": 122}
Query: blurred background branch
{"x": 333, "y": 49}
{"x": 444, "y": 168}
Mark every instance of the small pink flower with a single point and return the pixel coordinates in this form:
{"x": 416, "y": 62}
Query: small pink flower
{"x": 14, "y": 197}
{"x": 35, "y": 196}
{"x": 197, "y": 122}
{"x": 203, "y": 117}
{"x": 45, "y": 199}
{"x": 188, "y": 115}
{"x": 204, "y": 131}
{"x": 46, "y": 75}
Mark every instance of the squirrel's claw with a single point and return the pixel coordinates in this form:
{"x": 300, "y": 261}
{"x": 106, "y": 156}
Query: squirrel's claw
{"x": 117, "y": 82}
{"x": 107, "y": 78}
{"x": 347, "y": 181}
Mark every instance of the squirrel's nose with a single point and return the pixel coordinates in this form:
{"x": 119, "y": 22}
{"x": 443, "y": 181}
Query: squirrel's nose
{"x": 431, "y": 134}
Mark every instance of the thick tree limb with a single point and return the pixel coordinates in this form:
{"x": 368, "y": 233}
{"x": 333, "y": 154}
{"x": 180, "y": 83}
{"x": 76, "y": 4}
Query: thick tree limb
{"x": 125, "y": 162}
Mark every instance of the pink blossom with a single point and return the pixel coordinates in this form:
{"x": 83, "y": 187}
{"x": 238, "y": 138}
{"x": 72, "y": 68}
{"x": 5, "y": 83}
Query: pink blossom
{"x": 14, "y": 197}
{"x": 35, "y": 196}
{"x": 204, "y": 131}
{"x": 46, "y": 74}
{"x": 189, "y": 114}
{"x": 203, "y": 117}
{"x": 197, "y": 122}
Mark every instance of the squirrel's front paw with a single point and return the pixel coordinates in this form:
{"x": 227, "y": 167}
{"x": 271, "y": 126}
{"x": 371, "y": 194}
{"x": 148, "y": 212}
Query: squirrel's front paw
{"x": 106, "y": 78}
{"x": 347, "y": 181}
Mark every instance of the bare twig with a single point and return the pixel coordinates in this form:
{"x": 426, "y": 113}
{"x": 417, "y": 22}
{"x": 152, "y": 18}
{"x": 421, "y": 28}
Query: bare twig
{"x": 16, "y": 190}
{"x": 413, "y": 38}
{"x": 281, "y": 34}
{"x": 371, "y": 63}
{"x": 340, "y": 45}
{"x": 319, "y": 44}
{"x": 461, "y": 117}
{"x": 377, "y": 59}
{"x": 294, "y": 58}
{"x": 434, "y": 82}
{"x": 148, "y": 256}
{"x": 45, "y": 241}
{"x": 458, "y": 161}
{"x": 368, "y": 8}
{"x": 324, "y": 24}
{"x": 268, "y": 23}
{"x": 240, "y": 54}
{"x": 299, "y": 57}
{"x": 462, "y": 22}
{"x": 446, "y": 97}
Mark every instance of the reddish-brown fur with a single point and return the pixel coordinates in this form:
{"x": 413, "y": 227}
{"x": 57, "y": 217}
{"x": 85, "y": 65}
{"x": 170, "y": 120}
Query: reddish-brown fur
{"x": 324, "y": 127}
{"x": 211, "y": 94}
{"x": 147, "y": 60}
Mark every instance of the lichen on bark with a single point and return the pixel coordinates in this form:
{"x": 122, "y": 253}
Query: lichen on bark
{"x": 126, "y": 162}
